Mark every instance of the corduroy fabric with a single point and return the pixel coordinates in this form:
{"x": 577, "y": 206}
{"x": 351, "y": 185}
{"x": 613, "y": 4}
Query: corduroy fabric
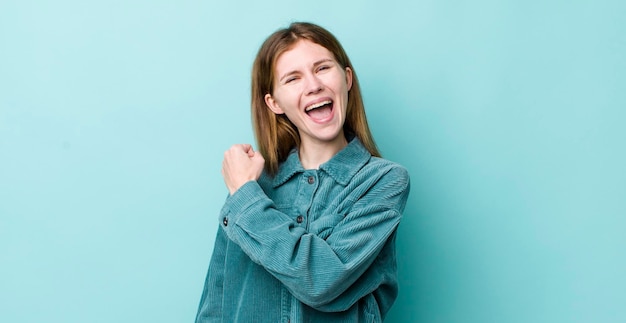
{"x": 309, "y": 245}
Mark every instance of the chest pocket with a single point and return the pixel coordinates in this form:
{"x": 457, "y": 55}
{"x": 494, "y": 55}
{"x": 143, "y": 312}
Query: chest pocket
{"x": 288, "y": 209}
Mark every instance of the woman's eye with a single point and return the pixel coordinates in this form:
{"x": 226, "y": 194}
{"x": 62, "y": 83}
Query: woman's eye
{"x": 289, "y": 80}
{"x": 323, "y": 67}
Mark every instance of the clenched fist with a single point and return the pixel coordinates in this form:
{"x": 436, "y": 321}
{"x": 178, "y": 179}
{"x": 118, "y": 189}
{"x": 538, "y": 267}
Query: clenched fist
{"x": 241, "y": 164}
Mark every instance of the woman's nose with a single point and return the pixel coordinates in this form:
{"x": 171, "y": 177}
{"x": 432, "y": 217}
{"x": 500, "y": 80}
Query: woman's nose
{"x": 314, "y": 85}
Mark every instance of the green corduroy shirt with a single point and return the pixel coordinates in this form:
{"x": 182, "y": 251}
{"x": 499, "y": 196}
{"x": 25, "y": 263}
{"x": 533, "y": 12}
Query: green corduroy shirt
{"x": 309, "y": 245}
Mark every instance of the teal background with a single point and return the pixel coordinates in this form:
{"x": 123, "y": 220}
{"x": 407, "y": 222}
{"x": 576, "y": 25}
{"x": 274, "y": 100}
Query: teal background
{"x": 509, "y": 115}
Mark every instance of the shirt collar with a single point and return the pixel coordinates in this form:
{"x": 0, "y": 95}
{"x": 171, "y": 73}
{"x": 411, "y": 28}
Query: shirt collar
{"x": 342, "y": 167}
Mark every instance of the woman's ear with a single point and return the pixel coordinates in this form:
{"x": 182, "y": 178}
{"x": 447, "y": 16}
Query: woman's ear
{"x": 349, "y": 77}
{"x": 272, "y": 104}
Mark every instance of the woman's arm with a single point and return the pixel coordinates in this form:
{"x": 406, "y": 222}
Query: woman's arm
{"x": 327, "y": 274}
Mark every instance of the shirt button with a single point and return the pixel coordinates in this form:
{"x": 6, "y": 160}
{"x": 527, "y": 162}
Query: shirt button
{"x": 300, "y": 218}
{"x": 311, "y": 179}
{"x": 225, "y": 221}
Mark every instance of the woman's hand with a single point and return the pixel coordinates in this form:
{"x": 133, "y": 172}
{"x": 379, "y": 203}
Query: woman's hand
{"x": 241, "y": 164}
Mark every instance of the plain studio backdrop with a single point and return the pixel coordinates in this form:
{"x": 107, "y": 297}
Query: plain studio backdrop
{"x": 509, "y": 115}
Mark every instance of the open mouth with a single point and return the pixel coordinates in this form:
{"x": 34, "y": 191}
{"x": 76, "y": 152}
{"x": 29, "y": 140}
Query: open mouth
{"x": 320, "y": 110}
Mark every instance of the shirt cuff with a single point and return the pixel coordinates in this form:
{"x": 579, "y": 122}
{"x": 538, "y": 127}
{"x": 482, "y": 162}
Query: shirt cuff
{"x": 237, "y": 203}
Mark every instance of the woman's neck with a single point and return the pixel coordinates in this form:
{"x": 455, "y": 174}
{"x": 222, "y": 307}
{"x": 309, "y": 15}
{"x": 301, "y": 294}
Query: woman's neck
{"x": 313, "y": 154}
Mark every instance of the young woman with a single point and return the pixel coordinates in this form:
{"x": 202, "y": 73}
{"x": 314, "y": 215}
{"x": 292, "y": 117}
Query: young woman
{"x": 307, "y": 233}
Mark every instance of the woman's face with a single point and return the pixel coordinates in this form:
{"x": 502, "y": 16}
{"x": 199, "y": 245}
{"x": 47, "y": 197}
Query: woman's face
{"x": 311, "y": 89}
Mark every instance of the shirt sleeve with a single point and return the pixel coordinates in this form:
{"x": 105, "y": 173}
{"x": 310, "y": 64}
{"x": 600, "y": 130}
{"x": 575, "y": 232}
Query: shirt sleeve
{"x": 322, "y": 273}
{"x": 210, "y": 307}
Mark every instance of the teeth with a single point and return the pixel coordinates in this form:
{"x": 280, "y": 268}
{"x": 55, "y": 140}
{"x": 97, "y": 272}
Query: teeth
{"x": 317, "y": 105}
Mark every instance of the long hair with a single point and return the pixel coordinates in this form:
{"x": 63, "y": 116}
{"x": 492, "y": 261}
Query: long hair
{"x": 275, "y": 134}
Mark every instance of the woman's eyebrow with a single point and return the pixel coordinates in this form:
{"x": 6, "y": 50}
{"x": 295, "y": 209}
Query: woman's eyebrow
{"x": 324, "y": 60}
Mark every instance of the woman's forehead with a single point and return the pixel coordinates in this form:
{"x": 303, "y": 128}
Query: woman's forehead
{"x": 302, "y": 52}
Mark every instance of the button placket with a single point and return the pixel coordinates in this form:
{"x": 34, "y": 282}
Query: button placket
{"x": 305, "y": 196}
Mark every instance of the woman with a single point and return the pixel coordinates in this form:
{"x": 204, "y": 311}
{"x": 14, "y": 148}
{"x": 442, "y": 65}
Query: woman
{"x": 307, "y": 233}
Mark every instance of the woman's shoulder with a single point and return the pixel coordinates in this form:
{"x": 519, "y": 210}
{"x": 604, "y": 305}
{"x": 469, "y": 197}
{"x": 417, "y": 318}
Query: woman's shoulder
{"x": 380, "y": 172}
{"x": 383, "y": 165}
{"x": 382, "y": 182}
